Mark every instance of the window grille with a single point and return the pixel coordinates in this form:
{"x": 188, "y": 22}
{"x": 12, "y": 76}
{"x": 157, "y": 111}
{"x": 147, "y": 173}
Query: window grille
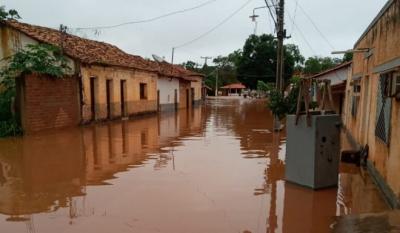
{"x": 383, "y": 110}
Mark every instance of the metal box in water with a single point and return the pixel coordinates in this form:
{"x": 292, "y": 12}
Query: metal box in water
{"x": 312, "y": 153}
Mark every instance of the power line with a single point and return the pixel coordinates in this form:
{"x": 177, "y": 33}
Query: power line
{"x": 215, "y": 27}
{"x": 301, "y": 34}
{"x": 316, "y": 27}
{"x": 270, "y": 11}
{"x": 150, "y": 19}
{"x": 294, "y": 14}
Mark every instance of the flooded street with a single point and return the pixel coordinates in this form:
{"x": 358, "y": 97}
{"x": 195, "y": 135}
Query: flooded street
{"x": 215, "y": 168}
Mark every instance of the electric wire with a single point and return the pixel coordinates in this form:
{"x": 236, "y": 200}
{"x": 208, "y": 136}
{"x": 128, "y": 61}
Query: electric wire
{"x": 215, "y": 27}
{"x": 316, "y": 27}
{"x": 270, "y": 11}
{"x": 301, "y": 34}
{"x": 294, "y": 15}
{"x": 148, "y": 20}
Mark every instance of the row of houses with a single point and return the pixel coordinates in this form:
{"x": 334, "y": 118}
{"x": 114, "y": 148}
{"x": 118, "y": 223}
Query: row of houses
{"x": 367, "y": 94}
{"x": 104, "y": 82}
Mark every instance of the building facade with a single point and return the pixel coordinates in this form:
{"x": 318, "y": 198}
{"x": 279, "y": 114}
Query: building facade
{"x": 338, "y": 78}
{"x": 104, "y": 83}
{"x": 372, "y": 107}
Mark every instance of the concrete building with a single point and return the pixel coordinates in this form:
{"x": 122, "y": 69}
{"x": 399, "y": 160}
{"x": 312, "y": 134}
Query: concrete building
{"x": 104, "y": 83}
{"x": 338, "y": 77}
{"x": 178, "y": 88}
{"x": 372, "y": 107}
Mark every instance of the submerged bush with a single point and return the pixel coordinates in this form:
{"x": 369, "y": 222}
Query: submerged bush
{"x": 10, "y": 128}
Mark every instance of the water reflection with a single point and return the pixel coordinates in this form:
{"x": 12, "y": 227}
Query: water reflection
{"x": 216, "y": 168}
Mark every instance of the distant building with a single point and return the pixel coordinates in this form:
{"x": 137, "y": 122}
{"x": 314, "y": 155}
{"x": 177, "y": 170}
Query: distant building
{"x": 105, "y": 82}
{"x": 233, "y": 89}
{"x": 372, "y": 106}
{"x": 338, "y": 77}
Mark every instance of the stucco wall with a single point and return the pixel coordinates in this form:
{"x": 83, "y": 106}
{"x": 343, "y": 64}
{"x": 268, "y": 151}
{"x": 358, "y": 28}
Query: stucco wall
{"x": 197, "y": 88}
{"x": 166, "y": 87}
{"x": 384, "y": 39}
{"x": 134, "y": 105}
{"x": 12, "y": 40}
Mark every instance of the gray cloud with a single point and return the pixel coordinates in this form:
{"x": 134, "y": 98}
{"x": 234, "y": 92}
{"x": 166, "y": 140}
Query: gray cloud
{"x": 341, "y": 21}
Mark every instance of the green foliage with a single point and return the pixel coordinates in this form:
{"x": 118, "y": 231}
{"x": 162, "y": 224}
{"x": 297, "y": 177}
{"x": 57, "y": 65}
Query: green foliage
{"x": 40, "y": 59}
{"x": 190, "y": 65}
{"x": 10, "y": 128}
{"x": 315, "y": 65}
{"x": 264, "y": 87}
{"x": 258, "y": 60}
{"x": 281, "y": 105}
{"x": 347, "y": 57}
{"x": 277, "y": 103}
{"x": 10, "y": 14}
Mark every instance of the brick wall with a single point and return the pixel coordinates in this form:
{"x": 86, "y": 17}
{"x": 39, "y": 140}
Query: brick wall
{"x": 48, "y": 103}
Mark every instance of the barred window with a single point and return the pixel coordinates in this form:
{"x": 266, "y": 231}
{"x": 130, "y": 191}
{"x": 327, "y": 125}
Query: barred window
{"x": 356, "y": 97}
{"x": 383, "y": 109}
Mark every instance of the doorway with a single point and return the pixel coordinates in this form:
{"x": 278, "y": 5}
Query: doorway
{"x": 93, "y": 98}
{"x": 158, "y": 100}
{"x": 123, "y": 97}
{"x": 187, "y": 98}
{"x": 176, "y": 99}
{"x": 108, "y": 97}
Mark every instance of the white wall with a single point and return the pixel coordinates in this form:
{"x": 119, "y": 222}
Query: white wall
{"x": 336, "y": 77}
{"x": 167, "y": 88}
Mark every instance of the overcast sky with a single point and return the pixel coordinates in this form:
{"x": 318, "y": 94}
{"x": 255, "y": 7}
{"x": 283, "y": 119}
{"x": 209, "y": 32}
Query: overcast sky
{"x": 340, "y": 21}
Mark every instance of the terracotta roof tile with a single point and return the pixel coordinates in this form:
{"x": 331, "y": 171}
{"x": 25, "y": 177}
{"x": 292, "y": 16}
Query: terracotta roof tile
{"x": 96, "y": 52}
{"x": 234, "y": 86}
{"x": 85, "y": 50}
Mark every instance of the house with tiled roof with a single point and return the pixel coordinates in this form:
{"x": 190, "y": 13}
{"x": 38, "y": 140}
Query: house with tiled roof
{"x": 105, "y": 82}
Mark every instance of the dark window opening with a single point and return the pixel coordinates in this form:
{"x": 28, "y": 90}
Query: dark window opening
{"x": 143, "y": 91}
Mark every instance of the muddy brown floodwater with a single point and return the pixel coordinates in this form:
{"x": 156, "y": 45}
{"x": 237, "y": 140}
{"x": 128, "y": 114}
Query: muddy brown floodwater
{"x": 216, "y": 168}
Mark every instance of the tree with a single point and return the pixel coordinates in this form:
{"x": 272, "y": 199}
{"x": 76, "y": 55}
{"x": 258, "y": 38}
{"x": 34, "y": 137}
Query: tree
{"x": 347, "y": 57}
{"x": 315, "y": 65}
{"x": 190, "y": 65}
{"x": 258, "y": 60}
{"x": 10, "y": 14}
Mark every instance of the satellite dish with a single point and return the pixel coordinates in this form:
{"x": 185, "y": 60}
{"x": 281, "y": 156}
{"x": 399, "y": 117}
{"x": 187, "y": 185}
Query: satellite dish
{"x": 158, "y": 58}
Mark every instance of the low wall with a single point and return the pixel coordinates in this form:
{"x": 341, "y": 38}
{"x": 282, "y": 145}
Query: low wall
{"x": 47, "y": 102}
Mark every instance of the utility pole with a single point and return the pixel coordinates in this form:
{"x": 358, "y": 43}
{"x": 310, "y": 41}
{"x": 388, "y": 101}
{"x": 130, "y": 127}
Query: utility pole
{"x": 206, "y": 59}
{"x": 172, "y": 56}
{"x": 216, "y": 83}
{"x": 281, "y": 35}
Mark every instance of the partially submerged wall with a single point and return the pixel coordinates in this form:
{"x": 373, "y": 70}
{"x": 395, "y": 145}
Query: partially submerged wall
{"x": 124, "y": 86}
{"x": 363, "y": 108}
{"x": 48, "y": 102}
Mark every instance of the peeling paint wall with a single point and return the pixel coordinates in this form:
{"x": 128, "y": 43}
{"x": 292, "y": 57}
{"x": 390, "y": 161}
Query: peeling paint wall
{"x": 134, "y": 104}
{"x": 197, "y": 85}
{"x": 384, "y": 40}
